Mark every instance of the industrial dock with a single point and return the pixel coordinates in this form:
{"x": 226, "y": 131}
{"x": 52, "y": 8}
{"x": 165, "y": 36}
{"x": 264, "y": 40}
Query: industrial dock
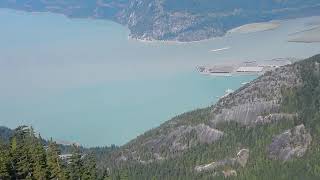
{"x": 245, "y": 68}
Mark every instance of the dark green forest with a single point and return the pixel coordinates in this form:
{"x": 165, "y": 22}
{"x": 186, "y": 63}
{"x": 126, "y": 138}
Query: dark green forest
{"x": 27, "y": 156}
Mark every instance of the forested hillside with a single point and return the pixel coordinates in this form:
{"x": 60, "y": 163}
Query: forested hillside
{"x": 281, "y": 142}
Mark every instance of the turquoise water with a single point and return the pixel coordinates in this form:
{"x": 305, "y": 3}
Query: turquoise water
{"x": 83, "y": 80}
{"x": 114, "y": 112}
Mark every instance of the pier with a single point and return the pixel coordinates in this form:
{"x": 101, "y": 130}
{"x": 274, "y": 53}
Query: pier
{"x": 244, "y": 68}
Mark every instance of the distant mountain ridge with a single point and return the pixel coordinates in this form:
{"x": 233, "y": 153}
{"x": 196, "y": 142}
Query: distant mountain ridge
{"x": 5, "y": 134}
{"x": 178, "y": 20}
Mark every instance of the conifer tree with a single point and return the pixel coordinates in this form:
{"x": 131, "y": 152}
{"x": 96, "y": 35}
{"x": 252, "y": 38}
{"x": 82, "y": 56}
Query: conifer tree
{"x": 38, "y": 154}
{"x": 90, "y": 169}
{"x": 21, "y": 159}
{"x": 75, "y": 165}
{"x": 27, "y": 158}
{"x": 4, "y": 162}
{"x": 54, "y": 163}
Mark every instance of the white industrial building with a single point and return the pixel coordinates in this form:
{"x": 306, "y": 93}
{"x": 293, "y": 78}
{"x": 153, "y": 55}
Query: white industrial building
{"x": 250, "y": 69}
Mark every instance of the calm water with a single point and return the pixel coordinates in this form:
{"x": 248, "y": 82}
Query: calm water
{"x": 82, "y": 80}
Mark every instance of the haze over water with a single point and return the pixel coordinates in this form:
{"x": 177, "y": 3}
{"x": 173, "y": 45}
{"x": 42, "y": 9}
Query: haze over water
{"x": 83, "y": 80}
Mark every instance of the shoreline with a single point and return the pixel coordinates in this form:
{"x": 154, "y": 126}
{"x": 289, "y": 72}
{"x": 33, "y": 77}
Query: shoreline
{"x": 256, "y": 27}
{"x": 310, "y": 35}
{"x": 274, "y": 24}
{"x": 243, "y": 29}
{"x": 149, "y": 40}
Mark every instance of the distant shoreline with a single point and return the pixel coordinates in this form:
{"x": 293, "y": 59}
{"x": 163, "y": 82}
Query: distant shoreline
{"x": 255, "y": 27}
{"x": 246, "y": 28}
{"x": 168, "y": 41}
{"x": 306, "y": 36}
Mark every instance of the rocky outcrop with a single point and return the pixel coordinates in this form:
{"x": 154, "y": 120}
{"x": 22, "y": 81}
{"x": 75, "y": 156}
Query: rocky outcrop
{"x": 247, "y": 114}
{"x": 150, "y": 20}
{"x": 173, "y": 141}
{"x": 240, "y": 160}
{"x": 275, "y": 117}
{"x": 259, "y": 101}
{"x": 184, "y": 137}
{"x": 290, "y": 144}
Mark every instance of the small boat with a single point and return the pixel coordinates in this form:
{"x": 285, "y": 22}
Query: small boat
{"x": 229, "y": 91}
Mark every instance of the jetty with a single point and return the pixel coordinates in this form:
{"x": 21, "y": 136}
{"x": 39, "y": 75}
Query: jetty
{"x": 245, "y": 67}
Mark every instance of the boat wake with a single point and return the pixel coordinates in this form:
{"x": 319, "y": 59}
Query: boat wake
{"x": 220, "y": 49}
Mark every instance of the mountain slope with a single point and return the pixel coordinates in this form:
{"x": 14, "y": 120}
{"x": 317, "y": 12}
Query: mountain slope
{"x": 250, "y": 105}
{"x": 250, "y": 133}
{"x": 5, "y": 134}
{"x": 192, "y": 20}
{"x": 179, "y": 20}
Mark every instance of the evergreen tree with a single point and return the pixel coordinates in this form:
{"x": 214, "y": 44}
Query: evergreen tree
{"x": 90, "y": 169}
{"x": 75, "y": 165}
{"x": 26, "y": 158}
{"x": 21, "y": 159}
{"x": 54, "y": 163}
{"x": 4, "y": 162}
{"x": 38, "y": 154}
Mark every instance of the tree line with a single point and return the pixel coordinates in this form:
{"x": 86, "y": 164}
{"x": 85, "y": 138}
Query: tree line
{"x": 27, "y": 156}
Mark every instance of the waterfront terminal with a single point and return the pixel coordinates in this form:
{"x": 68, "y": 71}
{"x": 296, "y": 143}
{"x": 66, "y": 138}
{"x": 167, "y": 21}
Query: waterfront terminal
{"x": 244, "y": 68}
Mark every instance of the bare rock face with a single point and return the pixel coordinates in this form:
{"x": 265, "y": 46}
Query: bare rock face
{"x": 184, "y": 137}
{"x": 291, "y": 143}
{"x": 240, "y": 160}
{"x": 258, "y": 101}
{"x": 275, "y": 117}
{"x": 246, "y": 114}
{"x": 173, "y": 141}
{"x": 206, "y": 134}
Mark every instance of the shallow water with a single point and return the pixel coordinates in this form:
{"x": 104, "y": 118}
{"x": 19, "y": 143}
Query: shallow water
{"x": 84, "y": 81}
